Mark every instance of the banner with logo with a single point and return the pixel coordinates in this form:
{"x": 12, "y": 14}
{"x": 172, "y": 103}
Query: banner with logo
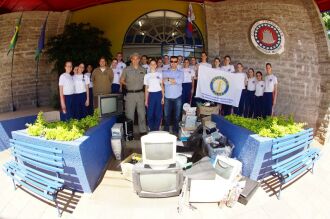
{"x": 219, "y": 86}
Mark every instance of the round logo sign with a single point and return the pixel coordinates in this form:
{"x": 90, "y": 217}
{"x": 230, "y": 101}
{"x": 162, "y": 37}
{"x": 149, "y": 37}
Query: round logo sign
{"x": 219, "y": 85}
{"x": 267, "y": 37}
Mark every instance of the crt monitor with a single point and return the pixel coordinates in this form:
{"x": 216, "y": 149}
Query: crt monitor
{"x": 110, "y": 104}
{"x": 158, "y": 149}
{"x": 150, "y": 183}
{"x": 226, "y": 168}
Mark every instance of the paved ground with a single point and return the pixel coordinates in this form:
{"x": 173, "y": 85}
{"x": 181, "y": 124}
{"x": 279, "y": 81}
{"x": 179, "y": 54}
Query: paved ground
{"x": 115, "y": 198}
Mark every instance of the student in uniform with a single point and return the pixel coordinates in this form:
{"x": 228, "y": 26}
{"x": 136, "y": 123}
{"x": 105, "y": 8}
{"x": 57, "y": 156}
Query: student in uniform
{"x": 216, "y": 63}
{"x": 154, "y": 96}
{"x": 270, "y": 94}
{"x": 204, "y": 63}
{"x": 159, "y": 65}
{"x": 166, "y": 63}
{"x": 90, "y": 108}
{"x": 250, "y": 97}
{"x": 115, "y": 87}
{"x": 194, "y": 66}
{"x": 66, "y": 88}
{"x": 188, "y": 82}
{"x": 227, "y": 67}
{"x": 259, "y": 96}
{"x": 240, "y": 109}
{"x": 75, "y": 70}
{"x": 180, "y": 62}
{"x": 144, "y": 62}
{"x": 119, "y": 56}
{"x": 81, "y": 94}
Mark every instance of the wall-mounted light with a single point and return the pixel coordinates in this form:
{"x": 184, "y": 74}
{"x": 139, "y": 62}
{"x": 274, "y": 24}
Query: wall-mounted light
{"x": 173, "y": 33}
{"x": 177, "y": 23}
{"x": 140, "y": 23}
{"x": 142, "y": 33}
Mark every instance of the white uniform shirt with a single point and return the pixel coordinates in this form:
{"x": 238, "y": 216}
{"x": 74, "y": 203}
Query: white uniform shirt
{"x": 194, "y": 67}
{"x": 228, "y": 68}
{"x": 80, "y": 81}
{"x": 270, "y": 81}
{"x": 116, "y": 75}
{"x": 243, "y": 86}
{"x": 260, "y": 88}
{"x": 251, "y": 84}
{"x": 89, "y": 75}
{"x": 189, "y": 73}
{"x": 180, "y": 66}
{"x": 160, "y": 69}
{"x": 66, "y": 81}
{"x": 206, "y": 64}
{"x": 166, "y": 67}
{"x": 146, "y": 67}
{"x": 121, "y": 65}
{"x": 153, "y": 81}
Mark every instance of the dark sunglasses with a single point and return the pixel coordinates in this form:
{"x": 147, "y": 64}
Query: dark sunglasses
{"x": 174, "y": 61}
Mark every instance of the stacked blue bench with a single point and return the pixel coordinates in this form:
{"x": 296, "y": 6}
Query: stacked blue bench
{"x": 36, "y": 168}
{"x": 293, "y": 156}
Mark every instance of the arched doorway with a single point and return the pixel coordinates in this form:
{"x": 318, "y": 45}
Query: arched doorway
{"x": 161, "y": 33}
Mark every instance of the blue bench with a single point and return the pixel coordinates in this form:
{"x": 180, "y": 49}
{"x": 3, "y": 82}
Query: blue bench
{"x": 36, "y": 168}
{"x": 293, "y": 156}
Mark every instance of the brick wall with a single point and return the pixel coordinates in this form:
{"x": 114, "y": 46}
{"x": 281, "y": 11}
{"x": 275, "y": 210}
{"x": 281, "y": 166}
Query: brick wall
{"x": 24, "y": 69}
{"x": 302, "y": 70}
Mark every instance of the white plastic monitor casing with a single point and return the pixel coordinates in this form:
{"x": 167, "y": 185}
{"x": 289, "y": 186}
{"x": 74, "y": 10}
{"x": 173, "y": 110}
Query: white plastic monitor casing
{"x": 159, "y": 137}
{"x": 227, "y": 162}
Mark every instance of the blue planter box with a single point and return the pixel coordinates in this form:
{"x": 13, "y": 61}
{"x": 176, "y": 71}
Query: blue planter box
{"x": 7, "y": 126}
{"x": 251, "y": 149}
{"x": 85, "y": 158}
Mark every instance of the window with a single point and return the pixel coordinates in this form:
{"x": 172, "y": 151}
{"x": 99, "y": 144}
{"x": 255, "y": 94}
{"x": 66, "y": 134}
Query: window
{"x": 161, "y": 33}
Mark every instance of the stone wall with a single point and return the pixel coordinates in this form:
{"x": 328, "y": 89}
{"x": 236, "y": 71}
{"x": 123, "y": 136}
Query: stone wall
{"x": 303, "y": 68}
{"x": 24, "y": 68}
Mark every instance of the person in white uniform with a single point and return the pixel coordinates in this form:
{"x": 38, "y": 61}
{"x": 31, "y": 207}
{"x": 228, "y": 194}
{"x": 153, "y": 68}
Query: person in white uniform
{"x": 119, "y": 56}
{"x": 166, "y": 63}
{"x": 117, "y": 71}
{"x": 159, "y": 65}
{"x": 270, "y": 95}
{"x": 216, "y": 63}
{"x": 90, "y": 108}
{"x": 250, "y": 97}
{"x": 188, "y": 82}
{"x": 242, "y": 102}
{"x": 259, "y": 96}
{"x": 144, "y": 62}
{"x": 227, "y": 67}
{"x": 154, "y": 96}
{"x": 81, "y": 93}
{"x": 66, "y": 88}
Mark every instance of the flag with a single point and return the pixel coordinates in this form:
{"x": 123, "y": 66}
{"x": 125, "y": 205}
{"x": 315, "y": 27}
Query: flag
{"x": 41, "y": 41}
{"x": 14, "y": 38}
{"x": 190, "y": 19}
{"x": 219, "y": 86}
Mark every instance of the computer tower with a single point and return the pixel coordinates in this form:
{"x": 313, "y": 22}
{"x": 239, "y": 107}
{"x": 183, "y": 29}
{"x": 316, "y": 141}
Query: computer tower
{"x": 128, "y": 127}
{"x": 128, "y": 130}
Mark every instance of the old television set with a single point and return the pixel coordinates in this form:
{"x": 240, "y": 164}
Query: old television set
{"x": 158, "y": 149}
{"x": 110, "y": 104}
{"x": 226, "y": 168}
{"x": 151, "y": 183}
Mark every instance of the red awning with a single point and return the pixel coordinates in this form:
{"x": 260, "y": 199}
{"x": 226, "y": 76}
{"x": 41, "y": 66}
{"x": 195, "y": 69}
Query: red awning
{"x": 62, "y": 5}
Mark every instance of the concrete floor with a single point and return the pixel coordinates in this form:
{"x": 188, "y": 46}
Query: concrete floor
{"x": 115, "y": 198}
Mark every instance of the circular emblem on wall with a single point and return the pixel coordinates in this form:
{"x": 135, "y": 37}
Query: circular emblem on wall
{"x": 267, "y": 37}
{"x": 219, "y": 85}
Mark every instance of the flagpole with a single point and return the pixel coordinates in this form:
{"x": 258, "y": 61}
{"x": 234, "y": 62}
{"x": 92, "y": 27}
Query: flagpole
{"x": 37, "y": 80}
{"x": 13, "y": 108}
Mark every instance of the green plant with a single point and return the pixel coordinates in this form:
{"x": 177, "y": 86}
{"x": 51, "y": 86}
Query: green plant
{"x": 78, "y": 43}
{"x": 60, "y": 130}
{"x": 326, "y": 19}
{"x": 272, "y": 127}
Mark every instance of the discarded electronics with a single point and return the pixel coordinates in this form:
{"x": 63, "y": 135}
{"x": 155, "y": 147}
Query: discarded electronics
{"x": 215, "y": 143}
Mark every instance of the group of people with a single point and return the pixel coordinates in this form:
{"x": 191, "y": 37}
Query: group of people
{"x": 151, "y": 85}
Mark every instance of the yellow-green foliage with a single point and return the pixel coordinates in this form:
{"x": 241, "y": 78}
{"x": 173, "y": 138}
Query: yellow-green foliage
{"x": 60, "y": 130}
{"x": 272, "y": 127}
